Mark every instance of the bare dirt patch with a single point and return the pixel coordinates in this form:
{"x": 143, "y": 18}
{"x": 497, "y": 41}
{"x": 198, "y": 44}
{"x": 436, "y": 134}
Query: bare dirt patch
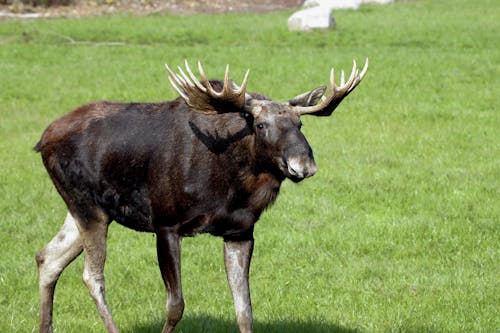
{"x": 146, "y": 7}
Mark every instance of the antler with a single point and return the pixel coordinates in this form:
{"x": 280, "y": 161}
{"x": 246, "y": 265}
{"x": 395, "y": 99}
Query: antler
{"x": 336, "y": 93}
{"x": 202, "y": 97}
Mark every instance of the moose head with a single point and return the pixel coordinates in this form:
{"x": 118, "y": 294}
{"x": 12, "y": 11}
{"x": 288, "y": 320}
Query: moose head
{"x": 278, "y": 139}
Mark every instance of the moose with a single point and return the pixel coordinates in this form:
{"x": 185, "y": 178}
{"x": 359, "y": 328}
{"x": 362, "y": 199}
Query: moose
{"x": 209, "y": 161}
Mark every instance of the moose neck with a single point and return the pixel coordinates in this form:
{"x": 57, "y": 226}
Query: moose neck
{"x": 232, "y": 134}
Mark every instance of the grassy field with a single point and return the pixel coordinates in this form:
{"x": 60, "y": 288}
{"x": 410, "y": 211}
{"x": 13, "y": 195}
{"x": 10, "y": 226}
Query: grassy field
{"x": 399, "y": 231}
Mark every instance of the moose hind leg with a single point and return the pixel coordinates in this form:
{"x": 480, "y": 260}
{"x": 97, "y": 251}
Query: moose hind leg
{"x": 51, "y": 261}
{"x": 93, "y": 234}
{"x": 169, "y": 256}
{"x": 237, "y": 256}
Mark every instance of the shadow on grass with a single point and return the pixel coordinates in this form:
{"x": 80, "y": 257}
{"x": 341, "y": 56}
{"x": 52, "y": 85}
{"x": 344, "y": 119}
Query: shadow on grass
{"x": 203, "y": 324}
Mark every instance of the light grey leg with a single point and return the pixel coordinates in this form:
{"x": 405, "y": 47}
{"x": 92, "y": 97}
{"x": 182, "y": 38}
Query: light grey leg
{"x": 93, "y": 234}
{"x": 52, "y": 260}
{"x": 237, "y": 257}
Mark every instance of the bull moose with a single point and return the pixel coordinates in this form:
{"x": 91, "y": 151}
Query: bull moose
{"x": 208, "y": 162}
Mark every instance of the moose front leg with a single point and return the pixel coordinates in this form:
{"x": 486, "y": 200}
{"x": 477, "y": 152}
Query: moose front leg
{"x": 168, "y": 245}
{"x": 237, "y": 256}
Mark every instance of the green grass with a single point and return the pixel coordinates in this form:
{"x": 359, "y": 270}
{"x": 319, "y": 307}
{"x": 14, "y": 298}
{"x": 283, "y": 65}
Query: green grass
{"x": 399, "y": 231}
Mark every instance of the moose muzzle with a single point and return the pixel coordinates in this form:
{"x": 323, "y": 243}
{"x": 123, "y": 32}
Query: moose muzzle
{"x": 300, "y": 168}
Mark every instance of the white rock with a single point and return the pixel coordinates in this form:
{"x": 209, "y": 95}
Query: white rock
{"x": 382, "y": 2}
{"x": 317, "y": 14}
{"x": 334, "y": 4}
{"x": 342, "y": 4}
{"x": 319, "y": 17}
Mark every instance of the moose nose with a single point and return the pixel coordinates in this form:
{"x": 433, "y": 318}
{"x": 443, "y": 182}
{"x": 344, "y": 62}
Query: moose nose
{"x": 300, "y": 168}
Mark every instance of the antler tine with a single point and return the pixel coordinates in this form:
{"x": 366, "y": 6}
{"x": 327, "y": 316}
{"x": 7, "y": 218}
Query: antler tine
{"x": 364, "y": 70}
{"x": 206, "y": 83}
{"x": 336, "y": 93}
{"x": 354, "y": 73}
{"x": 226, "y": 87}
{"x": 360, "y": 75}
{"x": 193, "y": 77}
{"x": 351, "y": 82}
{"x": 176, "y": 84}
{"x": 203, "y": 76}
{"x": 243, "y": 86}
{"x": 177, "y": 89}
{"x": 172, "y": 77}
{"x": 184, "y": 78}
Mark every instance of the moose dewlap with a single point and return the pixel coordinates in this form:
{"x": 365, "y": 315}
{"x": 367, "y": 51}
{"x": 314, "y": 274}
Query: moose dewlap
{"x": 208, "y": 162}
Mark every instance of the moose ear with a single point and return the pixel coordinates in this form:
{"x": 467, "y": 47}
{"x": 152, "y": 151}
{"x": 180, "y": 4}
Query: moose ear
{"x": 309, "y": 98}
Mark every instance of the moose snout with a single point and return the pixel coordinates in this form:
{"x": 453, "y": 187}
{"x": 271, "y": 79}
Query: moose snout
{"x": 300, "y": 168}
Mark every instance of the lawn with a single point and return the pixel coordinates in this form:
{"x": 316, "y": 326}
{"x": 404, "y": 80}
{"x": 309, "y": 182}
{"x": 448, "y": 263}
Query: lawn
{"x": 399, "y": 231}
